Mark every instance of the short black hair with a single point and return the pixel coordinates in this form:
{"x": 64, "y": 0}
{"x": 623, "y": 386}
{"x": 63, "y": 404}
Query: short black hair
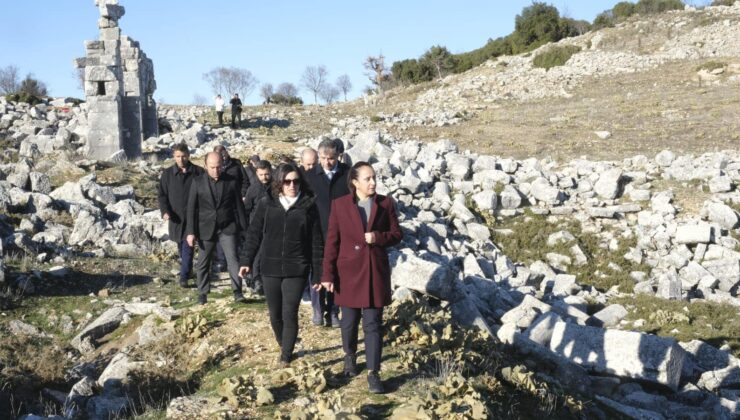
{"x": 263, "y": 164}
{"x": 181, "y": 147}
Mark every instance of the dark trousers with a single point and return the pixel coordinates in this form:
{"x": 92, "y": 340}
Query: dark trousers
{"x": 372, "y": 322}
{"x": 220, "y": 117}
{"x": 186, "y": 259}
{"x": 236, "y": 116}
{"x": 323, "y": 302}
{"x": 205, "y": 258}
{"x": 283, "y": 297}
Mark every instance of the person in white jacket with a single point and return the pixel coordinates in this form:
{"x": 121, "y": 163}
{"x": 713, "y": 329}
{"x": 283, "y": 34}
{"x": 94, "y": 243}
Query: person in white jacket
{"x": 220, "y": 103}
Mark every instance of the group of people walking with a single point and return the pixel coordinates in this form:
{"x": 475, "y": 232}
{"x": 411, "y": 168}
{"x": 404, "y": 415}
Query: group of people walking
{"x": 319, "y": 224}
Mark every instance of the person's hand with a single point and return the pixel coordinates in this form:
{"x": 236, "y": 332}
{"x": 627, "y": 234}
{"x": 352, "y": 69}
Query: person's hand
{"x": 370, "y": 237}
{"x": 166, "y": 217}
{"x": 191, "y": 240}
{"x": 316, "y": 286}
{"x": 329, "y": 286}
{"x": 243, "y": 271}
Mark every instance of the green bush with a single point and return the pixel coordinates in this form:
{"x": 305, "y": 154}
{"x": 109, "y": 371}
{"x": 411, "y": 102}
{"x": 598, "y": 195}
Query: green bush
{"x": 23, "y": 97}
{"x": 555, "y": 56}
{"x": 711, "y": 65}
{"x": 647, "y": 7}
{"x": 280, "y": 99}
{"x": 723, "y": 2}
{"x": 376, "y": 118}
{"x": 623, "y": 10}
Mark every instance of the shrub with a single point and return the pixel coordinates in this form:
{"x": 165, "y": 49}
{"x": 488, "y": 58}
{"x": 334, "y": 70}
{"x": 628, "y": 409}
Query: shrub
{"x": 280, "y": 99}
{"x": 555, "y": 56}
{"x": 646, "y": 7}
{"x": 723, "y": 2}
{"x": 604, "y": 20}
{"x": 623, "y": 10}
{"x": 23, "y": 97}
{"x": 376, "y": 118}
{"x": 711, "y": 65}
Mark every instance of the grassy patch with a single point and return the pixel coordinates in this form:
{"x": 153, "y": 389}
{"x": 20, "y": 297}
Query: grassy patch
{"x": 711, "y": 65}
{"x": 528, "y": 243}
{"x": 555, "y": 56}
{"x": 711, "y": 322}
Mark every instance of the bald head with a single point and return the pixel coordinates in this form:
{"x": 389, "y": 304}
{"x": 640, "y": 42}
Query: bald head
{"x": 213, "y": 165}
{"x": 308, "y": 158}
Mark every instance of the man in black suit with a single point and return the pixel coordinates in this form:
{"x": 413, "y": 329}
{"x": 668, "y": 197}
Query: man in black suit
{"x": 216, "y": 207}
{"x": 172, "y": 195}
{"x": 328, "y": 181}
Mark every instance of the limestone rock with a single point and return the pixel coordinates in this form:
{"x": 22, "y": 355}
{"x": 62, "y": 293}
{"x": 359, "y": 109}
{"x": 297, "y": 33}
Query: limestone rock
{"x": 621, "y": 353}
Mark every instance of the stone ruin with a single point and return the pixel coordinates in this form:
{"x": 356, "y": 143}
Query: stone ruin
{"x": 119, "y": 84}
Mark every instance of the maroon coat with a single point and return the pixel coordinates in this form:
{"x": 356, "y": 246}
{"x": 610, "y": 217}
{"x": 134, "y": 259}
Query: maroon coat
{"x": 360, "y": 272}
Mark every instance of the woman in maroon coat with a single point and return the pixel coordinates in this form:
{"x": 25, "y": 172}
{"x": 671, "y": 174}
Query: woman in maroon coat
{"x": 361, "y": 226}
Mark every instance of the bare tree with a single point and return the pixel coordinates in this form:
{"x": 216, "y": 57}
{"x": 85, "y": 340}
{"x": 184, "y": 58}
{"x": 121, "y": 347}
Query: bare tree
{"x": 79, "y": 75}
{"x": 314, "y": 79}
{"x": 226, "y": 81}
{"x": 199, "y": 99}
{"x": 266, "y": 91}
{"x": 9, "y": 80}
{"x": 344, "y": 84}
{"x": 287, "y": 89}
{"x": 329, "y": 93}
{"x": 376, "y": 71}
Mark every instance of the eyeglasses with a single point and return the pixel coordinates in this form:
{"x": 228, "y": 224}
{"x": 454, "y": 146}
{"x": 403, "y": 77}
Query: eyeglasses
{"x": 292, "y": 181}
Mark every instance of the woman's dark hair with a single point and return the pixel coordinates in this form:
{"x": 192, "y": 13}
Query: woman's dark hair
{"x": 279, "y": 176}
{"x": 354, "y": 174}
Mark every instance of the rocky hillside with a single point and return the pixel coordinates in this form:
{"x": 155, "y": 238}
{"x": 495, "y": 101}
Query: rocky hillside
{"x": 524, "y": 286}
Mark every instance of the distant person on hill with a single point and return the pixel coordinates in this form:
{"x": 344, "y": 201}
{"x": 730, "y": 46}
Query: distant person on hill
{"x": 172, "y": 195}
{"x": 219, "y": 104}
{"x": 236, "y": 110}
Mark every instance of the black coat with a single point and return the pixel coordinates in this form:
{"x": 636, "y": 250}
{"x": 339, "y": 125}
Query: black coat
{"x": 172, "y": 195}
{"x": 291, "y": 241}
{"x": 251, "y": 174}
{"x": 227, "y": 215}
{"x": 326, "y": 191}
{"x": 236, "y": 170}
{"x": 254, "y": 194}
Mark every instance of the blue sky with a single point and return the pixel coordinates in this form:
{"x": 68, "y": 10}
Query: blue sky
{"x": 275, "y": 40}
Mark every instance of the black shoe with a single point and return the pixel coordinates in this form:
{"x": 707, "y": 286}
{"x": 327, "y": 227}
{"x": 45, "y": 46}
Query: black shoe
{"x": 350, "y": 366}
{"x": 327, "y": 320}
{"x": 202, "y": 299}
{"x": 183, "y": 283}
{"x": 374, "y": 385}
{"x": 284, "y": 362}
{"x": 239, "y": 298}
{"x": 335, "y": 320}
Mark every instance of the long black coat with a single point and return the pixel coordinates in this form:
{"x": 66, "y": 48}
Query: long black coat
{"x": 254, "y": 194}
{"x": 236, "y": 170}
{"x": 326, "y": 191}
{"x": 226, "y": 215}
{"x": 291, "y": 241}
{"x": 172, "y": 195}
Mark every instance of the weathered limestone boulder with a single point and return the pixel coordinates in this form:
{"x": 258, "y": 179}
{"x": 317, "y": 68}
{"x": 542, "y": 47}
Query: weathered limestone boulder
{"x": 485, "y": 200}
{"x": 542, "y": 191}
{"x": 609, "y": 184}
{"x": 694, "y": 234}
{"x": 541, "y": 329}
{"x": 116, "y": 373}
{"x": 622, "y": 353}
{"x": 511, "y": 198}
{"x": 713, "y": 380}
{"x": 708, "y": 357}
{"x": 721, "y": 214}
{"x": 104, "y": 324}
{"x": 422, "y": 275}
{"x": 87, "y": 229}
{"x": 609, "y": 316}
{"x": 40, "y": 183}
{"x": 526, "y": 312}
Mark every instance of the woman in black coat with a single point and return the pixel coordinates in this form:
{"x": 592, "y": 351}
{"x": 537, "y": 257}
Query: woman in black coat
{"x": 287, "y": 227}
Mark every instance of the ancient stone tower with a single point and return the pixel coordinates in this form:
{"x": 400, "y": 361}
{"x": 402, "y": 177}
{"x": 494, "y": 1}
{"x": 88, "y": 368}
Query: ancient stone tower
{"x": 119, "y": 84}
